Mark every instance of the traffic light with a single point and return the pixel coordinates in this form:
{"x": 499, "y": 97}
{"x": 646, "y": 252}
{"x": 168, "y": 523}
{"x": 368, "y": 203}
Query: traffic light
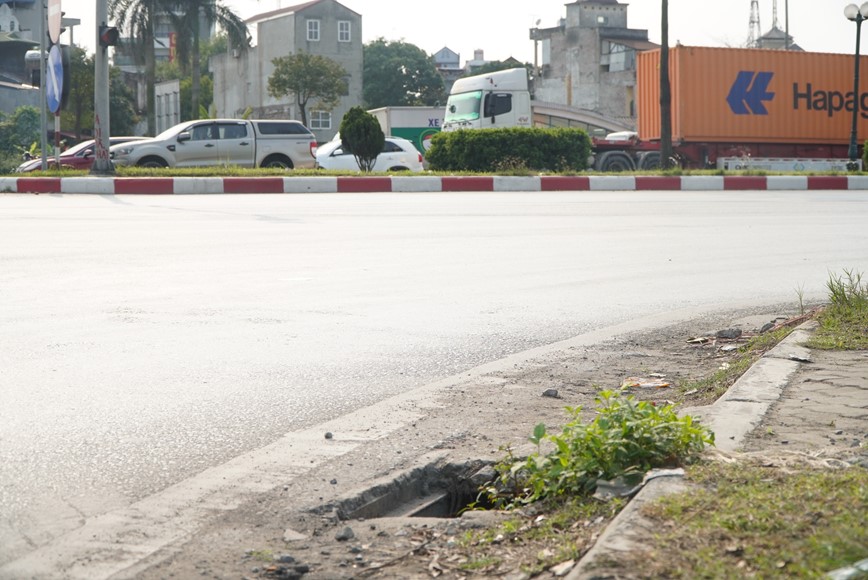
{"x": 108, "y": 36}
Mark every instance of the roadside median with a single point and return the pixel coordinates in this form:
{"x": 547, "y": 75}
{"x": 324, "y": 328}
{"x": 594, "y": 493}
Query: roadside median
{"x": 424, "y": 183}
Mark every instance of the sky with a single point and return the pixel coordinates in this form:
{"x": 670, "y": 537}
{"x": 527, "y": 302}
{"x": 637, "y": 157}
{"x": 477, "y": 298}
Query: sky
{"x": 501, "y": 27}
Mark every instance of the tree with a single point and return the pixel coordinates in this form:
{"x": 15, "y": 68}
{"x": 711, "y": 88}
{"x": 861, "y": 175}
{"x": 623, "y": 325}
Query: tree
{"x": 400, "y": 74}
{"x": 137, "y": 18}
{"x": 498, "y": 65}
{"x": 123, "y": 117}
{"x": 665, "y": 92}
{"x": 78, "y": 112}
{"x": 19, "y": 130}
{"x": 189, "y": 46}
{"x": 167, "y": 71}
{"x": 362, "y": 136}
{"x": 308, "y": 77}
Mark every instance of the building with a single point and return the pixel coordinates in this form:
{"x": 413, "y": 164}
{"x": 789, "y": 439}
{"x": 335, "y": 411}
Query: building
{"x": 777, "y": 39}
{"x": 321, "y": 27}
{"x": 588, "y": 61}
{"x": 16, "y": 39}
{"x": 447, "y": 60}
{"x": 129, "y": 58}
{"x": 478, "y": 61}
{"x": 448, "y": 63}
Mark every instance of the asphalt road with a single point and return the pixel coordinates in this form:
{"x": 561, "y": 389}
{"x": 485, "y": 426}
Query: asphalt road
{"x": 144, "y": 339}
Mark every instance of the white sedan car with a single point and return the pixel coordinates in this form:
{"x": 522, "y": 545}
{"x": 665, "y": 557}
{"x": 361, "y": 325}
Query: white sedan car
{"x": 398, "y": 155}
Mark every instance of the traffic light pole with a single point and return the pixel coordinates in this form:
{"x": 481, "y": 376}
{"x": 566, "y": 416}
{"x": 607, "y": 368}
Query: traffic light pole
{"x": 102, "y": 164}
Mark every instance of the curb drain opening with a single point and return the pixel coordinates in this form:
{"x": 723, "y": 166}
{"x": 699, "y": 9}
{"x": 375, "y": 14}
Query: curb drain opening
{"x": 431, "y": 491}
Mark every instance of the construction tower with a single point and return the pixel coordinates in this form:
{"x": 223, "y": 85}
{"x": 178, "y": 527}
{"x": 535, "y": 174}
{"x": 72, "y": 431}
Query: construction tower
{"x": 755, "y": 32}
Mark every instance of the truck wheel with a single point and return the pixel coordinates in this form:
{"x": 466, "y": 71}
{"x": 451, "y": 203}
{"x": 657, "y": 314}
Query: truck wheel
{"x": 649, "y": 161}
{"x": 153, "y": 163}
{"x": 277, "y": 162}
{"x": 615, "y": 161}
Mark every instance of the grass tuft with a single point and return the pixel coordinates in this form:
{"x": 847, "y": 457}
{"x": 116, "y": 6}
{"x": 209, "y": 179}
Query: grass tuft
{"x": 844, "y": 323}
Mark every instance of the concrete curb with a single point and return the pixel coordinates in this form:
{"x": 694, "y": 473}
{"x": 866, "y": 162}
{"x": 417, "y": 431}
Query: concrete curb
{"x": 742, "y": 408}
{"x": 731, "y": 418}
{"x": 406, "y": 183}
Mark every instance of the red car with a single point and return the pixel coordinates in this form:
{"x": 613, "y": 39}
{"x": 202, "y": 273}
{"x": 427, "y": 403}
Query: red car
{"x": 76, "y": 157}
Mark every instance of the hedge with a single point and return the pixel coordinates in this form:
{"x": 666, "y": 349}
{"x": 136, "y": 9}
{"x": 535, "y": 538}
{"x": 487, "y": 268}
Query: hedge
{"x": 491, "y": 150}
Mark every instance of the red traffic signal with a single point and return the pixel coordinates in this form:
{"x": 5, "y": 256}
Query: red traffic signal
{"x": 108, "y": 36}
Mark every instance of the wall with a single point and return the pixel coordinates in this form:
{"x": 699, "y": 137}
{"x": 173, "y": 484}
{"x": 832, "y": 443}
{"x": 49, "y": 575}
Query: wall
{"x": 12, "y": 97}
{"x": 578, "y": 67}
{"x": 168, "y": 104}
{"x": 242, "y": 81}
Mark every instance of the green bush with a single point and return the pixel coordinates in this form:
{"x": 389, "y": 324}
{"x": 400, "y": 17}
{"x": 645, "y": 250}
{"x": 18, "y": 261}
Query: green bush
{"x": 362, "y": 135}
{"x": 626, "y": 439}
{"x": 556, "y": 150}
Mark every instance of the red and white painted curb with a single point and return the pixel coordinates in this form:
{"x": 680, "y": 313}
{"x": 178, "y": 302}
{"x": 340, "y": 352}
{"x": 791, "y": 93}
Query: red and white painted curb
{"x": 423, "y": 183}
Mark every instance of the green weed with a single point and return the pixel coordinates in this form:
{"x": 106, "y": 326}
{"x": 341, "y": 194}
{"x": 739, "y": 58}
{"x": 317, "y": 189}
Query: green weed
{"x": 626, "y": 438}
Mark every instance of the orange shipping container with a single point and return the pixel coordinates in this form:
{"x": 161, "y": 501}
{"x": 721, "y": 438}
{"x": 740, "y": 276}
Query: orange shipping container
{"x": 735, "y": 95}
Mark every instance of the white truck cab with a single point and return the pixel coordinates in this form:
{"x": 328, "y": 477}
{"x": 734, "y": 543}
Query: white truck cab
{"x": 489, "y": 101}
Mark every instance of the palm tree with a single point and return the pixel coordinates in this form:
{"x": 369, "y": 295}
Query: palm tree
{"x": 187, "y": 24}
{"x": 136, "y": 18}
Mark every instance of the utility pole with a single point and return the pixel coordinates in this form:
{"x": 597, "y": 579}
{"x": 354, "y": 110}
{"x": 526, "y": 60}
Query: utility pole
{"x": 787, "y": 24}
{"x": 665, "y": 91}
{"x": 43, "y": 111}
{"x": 102, "y": 164}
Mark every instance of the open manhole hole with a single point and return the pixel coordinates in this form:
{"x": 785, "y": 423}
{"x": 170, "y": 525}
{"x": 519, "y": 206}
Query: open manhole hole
{"x": 431, "y": 491}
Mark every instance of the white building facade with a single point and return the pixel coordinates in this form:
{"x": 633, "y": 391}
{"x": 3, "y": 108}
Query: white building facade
{"x": 322, "y": 27}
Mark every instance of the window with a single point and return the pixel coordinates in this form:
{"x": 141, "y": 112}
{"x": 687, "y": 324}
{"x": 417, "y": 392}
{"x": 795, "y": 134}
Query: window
{"x": 313, "y": 30}
{"x": 205, "y": 132}
{"x": 344, "y": 31}
{"x": 281, "y": 128}
{"x": 232, "y": 130}
{"x": 463, "y": 106}
{"x": 320, "y": 120}
{"x": 497, "y": 104}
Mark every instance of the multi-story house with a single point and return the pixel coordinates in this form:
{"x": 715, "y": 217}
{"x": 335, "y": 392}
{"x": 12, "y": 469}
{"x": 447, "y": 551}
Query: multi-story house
{"x": 19, "y": 33}
{"x": 588, "y": 61}
{"x": 321, "y": 27}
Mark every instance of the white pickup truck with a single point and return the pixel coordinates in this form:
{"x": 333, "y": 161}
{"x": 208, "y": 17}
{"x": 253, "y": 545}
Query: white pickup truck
{"x": 242, "y": 143}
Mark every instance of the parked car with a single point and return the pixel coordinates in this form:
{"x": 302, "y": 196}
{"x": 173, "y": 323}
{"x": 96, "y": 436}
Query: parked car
{"x": 76, "y": 157}
{"x": 398, "y": 155}
{"x": 243, "y": 143}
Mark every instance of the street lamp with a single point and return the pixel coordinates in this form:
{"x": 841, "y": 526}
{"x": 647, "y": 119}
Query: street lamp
{"x": 857, "y": 14}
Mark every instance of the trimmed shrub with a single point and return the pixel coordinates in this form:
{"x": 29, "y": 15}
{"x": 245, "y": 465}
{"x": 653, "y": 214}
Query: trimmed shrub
{"x": 488, "y": 150}
{"x": 362, "y": 136}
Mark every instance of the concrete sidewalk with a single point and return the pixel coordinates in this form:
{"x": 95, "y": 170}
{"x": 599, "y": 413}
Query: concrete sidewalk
{"x": 793, "y": 399}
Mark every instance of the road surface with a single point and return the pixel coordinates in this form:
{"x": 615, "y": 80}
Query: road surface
{"x": 144, "y": 339}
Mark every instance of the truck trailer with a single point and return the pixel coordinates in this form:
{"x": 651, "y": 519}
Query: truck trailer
{"x": 416, "y": 124}
{"x": 732, "y": 108}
